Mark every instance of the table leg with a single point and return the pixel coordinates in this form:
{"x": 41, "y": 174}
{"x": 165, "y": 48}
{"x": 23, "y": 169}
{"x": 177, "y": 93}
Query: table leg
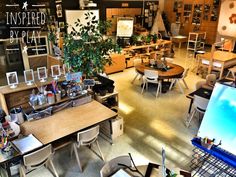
{"x": 190, "y": 106}
{"x": 221, "y": 71}
{"x": 180, "y": 44}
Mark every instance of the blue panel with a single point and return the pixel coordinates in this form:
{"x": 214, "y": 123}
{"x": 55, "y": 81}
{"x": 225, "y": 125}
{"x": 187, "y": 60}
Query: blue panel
{"x": 219, "y": 121}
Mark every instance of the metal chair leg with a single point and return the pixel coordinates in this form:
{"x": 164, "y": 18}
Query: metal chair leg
{"x": 52, "y": 168}
{"x": 77, "y": 156}
{"x": 185, "y": 83}
{"x": 99, "y": 150}
{"x": 180, "y": 87}
{"x": 135, "y": 78}
{"x": 158, "y": 89}
{"x": 191, "y": 117}
{"x": 172, "y": 83}
{"x": 143, "y": 87}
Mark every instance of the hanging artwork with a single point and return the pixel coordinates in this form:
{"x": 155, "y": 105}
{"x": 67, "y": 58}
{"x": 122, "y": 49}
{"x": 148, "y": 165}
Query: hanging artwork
{"x": 227, "y": 19}
{"x": 59, "y": 10}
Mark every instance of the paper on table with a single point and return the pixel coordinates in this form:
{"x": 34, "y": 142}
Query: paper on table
{"x": 121, "y": 173}
{"x": 27, "y": 144}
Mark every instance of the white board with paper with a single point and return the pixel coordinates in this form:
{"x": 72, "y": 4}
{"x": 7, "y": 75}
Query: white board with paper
{"x": 125, "y": 26}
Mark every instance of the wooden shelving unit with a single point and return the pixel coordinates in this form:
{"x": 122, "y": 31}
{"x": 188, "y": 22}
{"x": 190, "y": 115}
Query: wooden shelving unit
{"x": 38, "y": 107}
{"x": 10, "y": 98}
{"x": 194, "y": 16}
{"x": 102, "y": 99}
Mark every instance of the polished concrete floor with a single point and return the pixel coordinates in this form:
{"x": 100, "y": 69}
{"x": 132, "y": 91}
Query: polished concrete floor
{"x": 150, "y": 124}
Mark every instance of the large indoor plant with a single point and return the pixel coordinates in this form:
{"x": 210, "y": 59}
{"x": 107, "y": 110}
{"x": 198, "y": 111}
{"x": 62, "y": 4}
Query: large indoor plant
{"x": 86, "y": 49}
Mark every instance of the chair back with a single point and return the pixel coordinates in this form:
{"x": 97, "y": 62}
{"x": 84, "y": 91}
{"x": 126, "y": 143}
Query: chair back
{"x": 37, "y": 158}
{"x": 228, "y": 45}
{"x": 200, "y": 103}
{"x": 137, "y": 61}
{"x": 185, "y": 73}
{"x": 88, "y": 136}
{"x": 113, "y": 166}
{"x": 150, "y": 74}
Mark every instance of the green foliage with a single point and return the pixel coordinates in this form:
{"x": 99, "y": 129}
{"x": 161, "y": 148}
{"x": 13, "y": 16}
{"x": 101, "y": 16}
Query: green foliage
{"x": 148, "y": 39}
{"x": 134, "y": 39}
{"x": 87, "y": 50}
{"x": 154, "y": 37}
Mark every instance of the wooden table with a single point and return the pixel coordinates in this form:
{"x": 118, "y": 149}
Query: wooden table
{"x": 67, "y": 122}
{"x": 179, "y": 39}
{"x": 223, "y": 58}
{"x": 175, "y": 70}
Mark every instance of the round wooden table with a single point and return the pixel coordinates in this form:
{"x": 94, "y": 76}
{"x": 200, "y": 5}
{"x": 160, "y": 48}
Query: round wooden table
{"x": 174, "y": 71}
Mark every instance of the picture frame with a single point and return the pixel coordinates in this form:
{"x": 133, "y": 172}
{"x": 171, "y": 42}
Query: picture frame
{"x": 89, "y": 82}
{"x": 58, "y": 7}
{"x": 64, "y": 70}
{"x": 56, "y": 72}
{"x": 29, "y": 76}
{"x": 77, "y": 77}
{"x": 12, "y": 79}
{"x": 42, "y": 74}
{"x": 59, "y": 10}
{"x": 61, "y": 25}
{"x": 59, "y": 13}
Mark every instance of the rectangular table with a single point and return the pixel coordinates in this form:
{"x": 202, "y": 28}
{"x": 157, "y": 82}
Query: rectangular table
{"x": 61, "y": 124}
{"x": 219, "y": 61}
{"x": 67, "y": 122}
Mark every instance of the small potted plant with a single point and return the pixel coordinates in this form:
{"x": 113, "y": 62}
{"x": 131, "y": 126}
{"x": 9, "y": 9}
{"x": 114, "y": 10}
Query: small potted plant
{"x": 134, "y": 39}
{"x": 154, "y": 37}
{"x": 148, "y": 39}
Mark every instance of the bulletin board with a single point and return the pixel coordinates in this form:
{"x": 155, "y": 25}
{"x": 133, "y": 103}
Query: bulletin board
{"x": 73, "y": 15}
{"x": 125, "y": 26}
{"x": 227, "y": 19}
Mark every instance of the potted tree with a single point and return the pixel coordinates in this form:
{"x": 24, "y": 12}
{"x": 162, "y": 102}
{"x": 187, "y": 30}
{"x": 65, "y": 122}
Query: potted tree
{"x": 87, "y": 50}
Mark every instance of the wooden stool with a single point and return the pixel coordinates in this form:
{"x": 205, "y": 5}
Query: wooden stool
{"x": 232, "y": 71}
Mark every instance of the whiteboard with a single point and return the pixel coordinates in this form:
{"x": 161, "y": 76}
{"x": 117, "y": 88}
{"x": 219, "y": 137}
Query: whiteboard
{"x": 125, "y": 26}
{"x": 73, "y": 15}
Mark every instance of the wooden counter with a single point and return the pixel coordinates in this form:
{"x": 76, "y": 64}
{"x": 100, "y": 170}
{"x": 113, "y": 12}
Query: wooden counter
{"x": 118, "y": 64}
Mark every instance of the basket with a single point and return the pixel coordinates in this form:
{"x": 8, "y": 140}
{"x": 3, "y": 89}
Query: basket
{"x": 206, "y": 145}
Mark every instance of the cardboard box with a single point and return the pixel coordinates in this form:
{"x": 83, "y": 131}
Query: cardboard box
{"x": 117, "y": 125}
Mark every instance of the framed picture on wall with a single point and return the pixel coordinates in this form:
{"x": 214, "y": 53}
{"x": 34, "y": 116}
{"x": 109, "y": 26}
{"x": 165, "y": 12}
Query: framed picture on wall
{"x": 61, "y": 25}
{"x": 59, "y": 10}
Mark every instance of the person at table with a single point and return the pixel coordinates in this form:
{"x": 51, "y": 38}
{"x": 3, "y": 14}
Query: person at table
{"x": 209, "y": 83}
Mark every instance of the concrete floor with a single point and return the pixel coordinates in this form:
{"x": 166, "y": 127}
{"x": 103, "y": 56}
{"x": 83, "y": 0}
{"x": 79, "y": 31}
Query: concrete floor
{"x": 150, "y": 124}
